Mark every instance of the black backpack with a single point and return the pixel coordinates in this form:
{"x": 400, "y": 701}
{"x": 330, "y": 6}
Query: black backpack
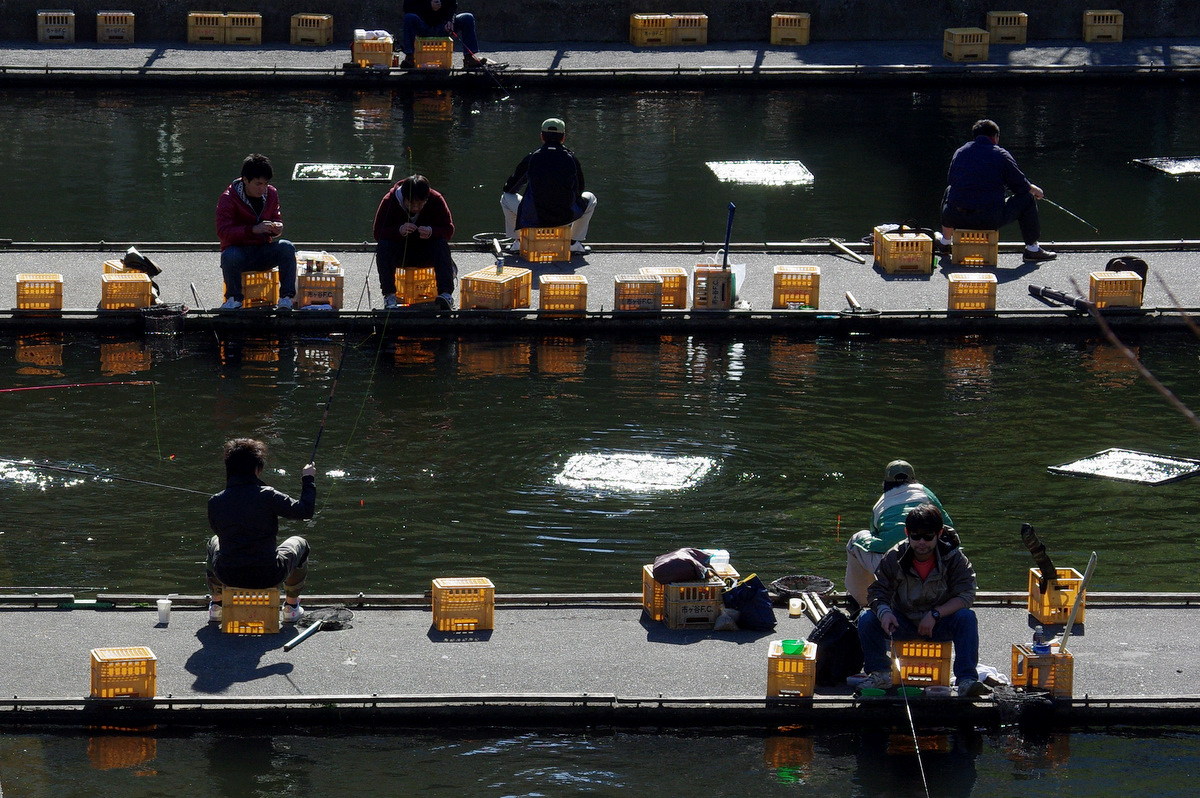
{"x": 839, "y": 653}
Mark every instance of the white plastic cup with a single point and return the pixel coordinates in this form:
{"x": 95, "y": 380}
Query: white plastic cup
{"x": 795, "y": 607}
{"x": 164, "y": 611}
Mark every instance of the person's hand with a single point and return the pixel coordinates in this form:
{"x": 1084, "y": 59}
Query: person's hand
{"x": 1036, "y": 192}
{"x": 425, "y": 232}
{"x": 925, "y": 627}
{"x": 407, "y": 228}
{"x": 310, "y": 470}
{"x": 889, "y": 623}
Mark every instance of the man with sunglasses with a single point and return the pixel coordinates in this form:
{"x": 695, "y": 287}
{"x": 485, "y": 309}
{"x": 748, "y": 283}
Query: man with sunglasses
{"x": 924, "y": 587}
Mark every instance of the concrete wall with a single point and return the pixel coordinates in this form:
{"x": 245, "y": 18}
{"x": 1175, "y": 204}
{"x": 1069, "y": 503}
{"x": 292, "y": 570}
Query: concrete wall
{"x": 543, "y": 21}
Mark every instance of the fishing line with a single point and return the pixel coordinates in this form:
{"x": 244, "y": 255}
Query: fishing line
{"x": 491, "y": 74}
{"x": 154, "y": 412}
{"x": 911, "y": 724}
{"x": 75, "y": 385}
{"x": 94, "y": 475}
{"x": 1095, "y": 229}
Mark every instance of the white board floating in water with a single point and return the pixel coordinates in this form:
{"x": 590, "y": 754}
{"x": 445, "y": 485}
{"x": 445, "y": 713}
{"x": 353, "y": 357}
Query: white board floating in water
{"x": 762, "y": 173}
{"x": 364, "y": 172}
{"x": 632, "y": 472}
{"x": 1129, "y": 466}
{"x": 1176, "y": 167}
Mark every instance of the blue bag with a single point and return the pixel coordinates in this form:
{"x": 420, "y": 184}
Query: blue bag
{"x": 751, "y": 600}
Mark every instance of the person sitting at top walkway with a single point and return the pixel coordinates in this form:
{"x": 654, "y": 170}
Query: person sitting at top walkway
{"x": 555, "y": 194}
{"x": 440, "y": 18}
{"x": 980, "y": 171}
{"x": 249, "y": 226}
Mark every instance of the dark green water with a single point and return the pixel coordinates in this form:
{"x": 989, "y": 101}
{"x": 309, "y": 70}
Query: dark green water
{"x": 860, "y": 765}
{"x": 114, "y": 165}
{"x": 440, "y": 456}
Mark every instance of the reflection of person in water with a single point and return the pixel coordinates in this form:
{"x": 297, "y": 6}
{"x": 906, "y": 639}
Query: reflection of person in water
{"x": 887, "y": 762}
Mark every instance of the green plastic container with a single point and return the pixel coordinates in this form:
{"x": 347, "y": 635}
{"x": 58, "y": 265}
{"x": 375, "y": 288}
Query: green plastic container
{"x": 792, "y": 647}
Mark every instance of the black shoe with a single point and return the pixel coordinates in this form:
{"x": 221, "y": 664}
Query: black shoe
{"x": 443, "y": 302}
{"x": 408, "y": 63}
{"x": 939, "y": 248}
{"x": 1039, "y": 255}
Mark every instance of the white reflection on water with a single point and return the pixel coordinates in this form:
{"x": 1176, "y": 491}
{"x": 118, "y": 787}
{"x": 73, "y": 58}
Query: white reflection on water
{"x": 1129, "y": 466}
{"x": 762, "y": 173}
{"x": 625, "y": 471}
{"x": 19, "y": 473}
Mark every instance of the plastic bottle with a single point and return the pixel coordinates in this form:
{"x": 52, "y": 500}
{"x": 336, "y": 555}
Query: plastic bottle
{"x": 1039, "y": 636}
{"x": 720, "y": 557}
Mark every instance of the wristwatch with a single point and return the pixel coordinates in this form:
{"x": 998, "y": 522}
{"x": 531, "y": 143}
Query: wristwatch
{"x": 937, "y": 616}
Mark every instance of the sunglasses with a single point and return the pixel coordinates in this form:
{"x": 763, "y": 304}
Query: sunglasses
{"x": 926, "y": 537}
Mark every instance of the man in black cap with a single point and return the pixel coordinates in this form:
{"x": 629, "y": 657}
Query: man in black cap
{"x": 865, "y": 549}
{"x": 980, "y": 172}
{"x": 554, "y": 192}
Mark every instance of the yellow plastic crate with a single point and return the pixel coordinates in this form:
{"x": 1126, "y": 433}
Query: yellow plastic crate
{"x": 545, "y": 244}
{"x": 1053, "y": 606}
{"x": 56, "y": 27}
{"x": 562, "y": 294}
{"x": 650, "y": 30}
{"x": 790, "y": 29}
{"x": 39, "y": 292}
{"x": 797, "y": 285}
{"x": 694, "y": 606}
{"x": 463, "y": 604}
{"x": 124, "y": 290}
{"x": 689, "y": 29}
{"x": 433, "y": 52}
{"x": 965, "y": 44}
{"x": 372, "y": 52}
{"x": 114, "y": 27}
{"x": 975, "y": 247}
{"x": 243, "y": 27}
{"x": 906, "y": 253}
{"x": 415, "y": 284}
{"x": 921, "y": 663}
{"x": 260, "y": 288}
{"x": 972, "y": 292}
{"x": 791, "y": 675}
{"x": 637, "y": 292}
{"x": 1115, "y": 289}
{"x": 1107, "y": 25}
{"x": 206, "y": 27}
{"x": 320, "y": 288}
{"x": 655, "y": 593}
{"x": 128, "y": 672}
{"x": 492, "y": 289}
{"x": 712, "y": 287}
{"x": 1007, "y": 27}
{"x": 675, "y": 285}
{"x": 246, "y": 611}
{"x": 312, "y": 29}
{"x": 1053, "y": 672}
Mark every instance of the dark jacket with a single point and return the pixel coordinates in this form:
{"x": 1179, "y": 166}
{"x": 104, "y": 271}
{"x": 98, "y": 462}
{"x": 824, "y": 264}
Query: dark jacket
{"x": 554, "y": 196}
{"x": 245, "y": 516}
{"x": 236, "y": 216}
{"x": 898, "y": 587}
{"x": 391, "y": 214}
{"x": 424, "y": 10}
{"x": 979, "y": 173}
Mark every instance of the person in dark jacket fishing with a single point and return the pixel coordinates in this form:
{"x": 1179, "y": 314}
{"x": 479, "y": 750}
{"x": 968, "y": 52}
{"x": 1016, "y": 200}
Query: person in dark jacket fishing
{"x": 440, "y": 18}
{"x": 413, "y": 228}
{"x": 245, "y": 519}
{"x": 249, "y": 226}
{"x": 554, "y": 190}
{"x": 924, "y": 588}
{"x": 980, "y": 173}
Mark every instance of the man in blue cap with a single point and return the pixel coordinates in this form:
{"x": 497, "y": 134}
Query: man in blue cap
{"x": 554, "y": 190}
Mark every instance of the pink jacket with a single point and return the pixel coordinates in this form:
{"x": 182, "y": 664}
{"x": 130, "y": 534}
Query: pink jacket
{"x": 235, "y": 216}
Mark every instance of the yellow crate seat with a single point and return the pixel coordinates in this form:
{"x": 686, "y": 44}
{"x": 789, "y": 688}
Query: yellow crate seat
{"x": 796, "y": 285}
{"x": 206, "y": 27}
{"x": 965, "y": 44}
{"x": 791, "y": 675}
{"x": 489, "y": 288}
{"x": 1105, "y": 25}
{"x": 975, "y": 247}
{"x": 243, "y": 28}
{"x": 1053, "y": 672}
{"x": 415, "y": 284}
{"x": 114, "y": 27}
{"x": 675, "y": 285}
{"x": 971, "y": 292}
{"x": 790, "y": 29}
{"x": 632, "y": 292}
{"x": 712, "y": 287}
{"x": 650, "y": 30}
{"x": 39, "y": 292}
{"x": 372, "y": 52}
{"x": 1054, "y": 605}
{"x": 433, "y": 52}
{"x": 124, "y": 672}
{"x": 1115, "y": 289}
{"x": 908, "y": 252}
{"x": 312, "y": 29}
{"x": 1007, "y": 27}
{"x": 259, "y": 288}
{"x": 125, "y": 290}
{"x": 545, "y": 244}
{"x": 921, "y": 663}
{"x": 56, "y": 27}
{"x": 463, "y": 604}
{"x": 249, "y": 611}
{"x": 562, "y": 294}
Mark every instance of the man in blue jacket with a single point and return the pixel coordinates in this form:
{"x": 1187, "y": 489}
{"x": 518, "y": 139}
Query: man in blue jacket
{"x": 980, "y": 173}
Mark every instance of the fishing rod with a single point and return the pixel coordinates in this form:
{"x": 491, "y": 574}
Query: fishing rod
{"x": 95, "y": 475}
{"x": 484, "y": 66}
{"x": 1095, "y": 229}
{"x": 75, "y": 385}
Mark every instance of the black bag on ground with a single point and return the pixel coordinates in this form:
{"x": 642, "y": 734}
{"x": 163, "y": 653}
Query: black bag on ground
{"x": 1128, "y": 263}
{"x": 753, "y": 603}
{"x": 839, "y": 653}
{"x": 681, "y": 565}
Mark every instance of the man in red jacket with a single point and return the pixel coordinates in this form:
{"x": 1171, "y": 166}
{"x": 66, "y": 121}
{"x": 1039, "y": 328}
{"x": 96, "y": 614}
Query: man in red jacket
{"x": 413, "y": 228}
{"x": 249, "y": 226}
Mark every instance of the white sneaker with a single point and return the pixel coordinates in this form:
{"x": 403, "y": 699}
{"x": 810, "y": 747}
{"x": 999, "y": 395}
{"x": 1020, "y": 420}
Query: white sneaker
{"x": 214, "y": 612}
{"x": 391, "y": 302}
{"x": 285, "y": 303}
{"x": 291, "y": 613}
{"x": 580, "y": 248}
{"x": 514, "y": 247}
{"x": 231, "y": 304}
{"x": 881, "y": 680}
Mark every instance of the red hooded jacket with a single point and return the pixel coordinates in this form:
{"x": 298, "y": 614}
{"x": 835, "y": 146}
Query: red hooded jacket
{"x": 236, "y": 217}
